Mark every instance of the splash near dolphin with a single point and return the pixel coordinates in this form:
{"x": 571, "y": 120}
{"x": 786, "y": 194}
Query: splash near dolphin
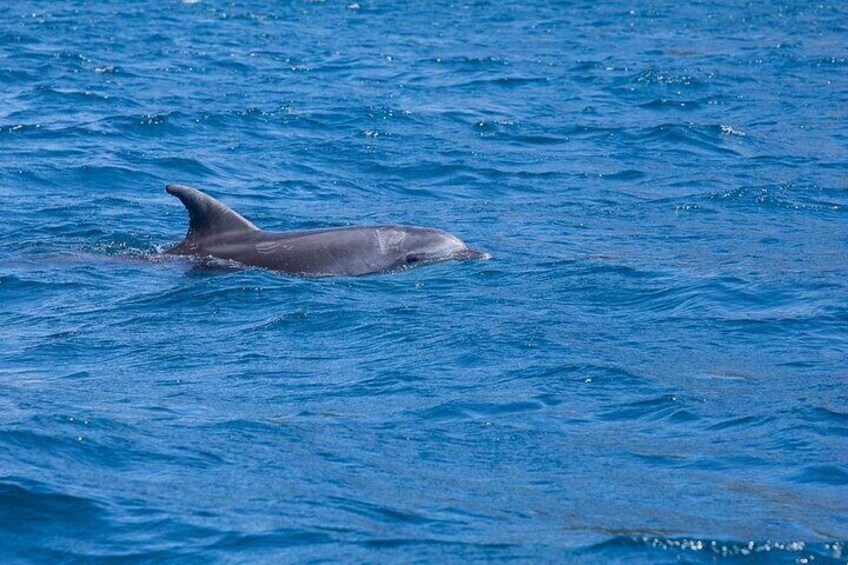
{"x": 215, "y": 230}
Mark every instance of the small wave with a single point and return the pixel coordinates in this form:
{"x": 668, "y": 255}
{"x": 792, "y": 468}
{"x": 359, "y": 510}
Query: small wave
{"x": 20, "y": 128}
{"x": 742, "y": 422}
{"x": 669, "y": 78}
{"x": 381, "y": 513}
{"x": 113, "y": 176}
{"x": 665, "y": 407}
{"x": 708, "y": 138}
{"x": 12, "y": 76}
{"x": 465, "y": 410}
{"x": 673, "y": 104}
{"x": 268, "y": 541}
{"x": 784, "y": 196}
{"x": 143, "y": 125}
{"x": 18, "y": 38}
{"x": 625, "y": 175}
{"x": 705, "y": 550}
{"x": 69, "y": 96}
{"x": 473, "y": 63}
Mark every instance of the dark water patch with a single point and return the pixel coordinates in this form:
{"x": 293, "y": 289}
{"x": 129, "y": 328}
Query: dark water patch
{"x": 12, "y": 75}
{"x": 29, "y": 509}
{"x": 829, "y": 414}
{"x": 835, "y": 475}
{"x": 184, "y": 166}
{"x": 561, "y": 378}
{"x": 17, "y": 37}
{"x": 30, "y": 284}
{"x": 514, "y": 82}
{"x": 108, "y": 176}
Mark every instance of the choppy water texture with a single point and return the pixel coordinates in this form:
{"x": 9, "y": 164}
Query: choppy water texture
{"x": 652, "y": 369}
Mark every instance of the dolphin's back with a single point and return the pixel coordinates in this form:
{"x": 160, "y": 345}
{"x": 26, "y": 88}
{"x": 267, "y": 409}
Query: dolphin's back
{"x": 338, "y": 251}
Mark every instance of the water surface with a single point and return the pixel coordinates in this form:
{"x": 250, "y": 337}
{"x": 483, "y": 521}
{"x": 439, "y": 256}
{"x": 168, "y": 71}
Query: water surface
{"x": 652, "y": 369}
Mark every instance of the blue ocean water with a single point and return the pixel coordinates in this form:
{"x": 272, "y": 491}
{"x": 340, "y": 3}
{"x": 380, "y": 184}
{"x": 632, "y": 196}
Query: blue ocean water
{"x": 651, "y": 369}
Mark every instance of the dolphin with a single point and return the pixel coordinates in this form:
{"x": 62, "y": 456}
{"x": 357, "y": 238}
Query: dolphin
{"x": 217, "y": 231}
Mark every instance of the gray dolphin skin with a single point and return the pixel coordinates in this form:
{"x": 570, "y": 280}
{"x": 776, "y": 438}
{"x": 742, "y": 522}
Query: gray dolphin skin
{"x": 217, "y": 231}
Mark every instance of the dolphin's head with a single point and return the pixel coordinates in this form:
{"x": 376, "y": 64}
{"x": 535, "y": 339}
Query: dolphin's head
{"x": 423, "y": 245}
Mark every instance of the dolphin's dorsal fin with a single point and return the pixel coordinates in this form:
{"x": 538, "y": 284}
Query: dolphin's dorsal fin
{"x": 207, "y": 216}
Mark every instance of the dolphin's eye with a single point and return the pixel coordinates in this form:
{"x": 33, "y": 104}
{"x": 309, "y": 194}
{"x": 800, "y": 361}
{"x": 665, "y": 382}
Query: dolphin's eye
{"x": 412, "y": 258}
